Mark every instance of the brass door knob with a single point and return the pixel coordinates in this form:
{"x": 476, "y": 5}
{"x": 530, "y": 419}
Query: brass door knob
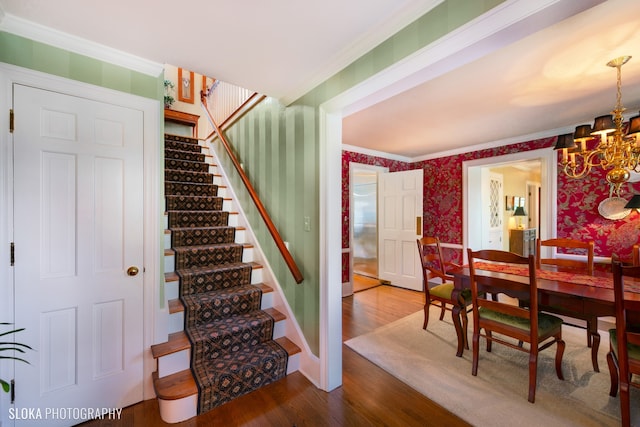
{"x": 132, "y": 271}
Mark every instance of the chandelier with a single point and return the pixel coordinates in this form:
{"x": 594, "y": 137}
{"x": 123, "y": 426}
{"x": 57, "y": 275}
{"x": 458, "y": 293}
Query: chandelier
{"x": 617, "y": 149}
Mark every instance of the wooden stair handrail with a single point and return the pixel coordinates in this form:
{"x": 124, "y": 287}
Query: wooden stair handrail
{"x": 295, "y": 271}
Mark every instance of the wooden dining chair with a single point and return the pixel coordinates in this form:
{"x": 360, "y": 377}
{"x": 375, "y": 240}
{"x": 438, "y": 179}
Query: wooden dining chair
{"x": 524, "y": 324}
{"x": 434, "y": 266}
{"x": 573, "y": 245}
{"x": 624, "y": 352}
{"x": 582, "y": 266}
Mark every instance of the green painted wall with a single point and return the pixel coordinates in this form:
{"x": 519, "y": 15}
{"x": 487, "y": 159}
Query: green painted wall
{"x": 38, "y": 56}
{"x": 277, "y": 148}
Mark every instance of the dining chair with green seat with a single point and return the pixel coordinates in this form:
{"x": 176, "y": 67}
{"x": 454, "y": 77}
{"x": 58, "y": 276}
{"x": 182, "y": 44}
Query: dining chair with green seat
{"x": 585, "y": 266}
{"x": 434, "y": 266}
{"x": 523, "y": 324}
{"x": 624, "y": 353}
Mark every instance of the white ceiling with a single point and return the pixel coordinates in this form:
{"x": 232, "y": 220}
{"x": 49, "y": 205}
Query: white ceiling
{"x": 538, "y": 74}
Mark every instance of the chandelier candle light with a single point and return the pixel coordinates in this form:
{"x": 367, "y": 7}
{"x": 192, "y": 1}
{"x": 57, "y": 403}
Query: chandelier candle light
{"x": 617, "y": 148}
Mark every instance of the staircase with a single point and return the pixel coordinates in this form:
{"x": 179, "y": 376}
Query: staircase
{"x": 226, "y": 338}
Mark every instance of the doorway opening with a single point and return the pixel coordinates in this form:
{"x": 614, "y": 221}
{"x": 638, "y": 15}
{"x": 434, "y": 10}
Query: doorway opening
{"x": 364, "y": 227}
{"x": 530, "y": 182}
{"x": 363, "y": 200}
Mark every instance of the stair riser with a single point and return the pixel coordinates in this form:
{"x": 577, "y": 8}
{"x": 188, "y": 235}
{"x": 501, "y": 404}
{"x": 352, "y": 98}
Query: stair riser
{"x": 171, "y": 288}
{"x": 174, "y": 362}
{"x": 232, "y": 222}
{"x": 247, "y": 256}
{"x": 240, "y": 238}
{"x": 227, "y": 204}
{"x": 192, "y": 258}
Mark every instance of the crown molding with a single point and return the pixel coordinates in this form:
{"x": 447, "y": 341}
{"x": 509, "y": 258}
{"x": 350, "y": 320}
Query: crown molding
{"x": 375, "y": 153}
{"x": 30, "y": 30}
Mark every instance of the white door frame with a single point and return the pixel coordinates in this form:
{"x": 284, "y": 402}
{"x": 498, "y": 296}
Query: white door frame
{"x": 154, "y": 309}
{"x": 548, "y": 196}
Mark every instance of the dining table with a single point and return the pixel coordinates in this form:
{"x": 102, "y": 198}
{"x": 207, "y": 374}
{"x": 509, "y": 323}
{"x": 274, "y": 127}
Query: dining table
{"x": 560, "y": 291}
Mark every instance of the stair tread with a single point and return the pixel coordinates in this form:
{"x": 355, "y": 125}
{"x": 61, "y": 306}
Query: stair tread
{"x": 277, "y": 315}
{"x": 172, "y": 276}
{"x": 181, "y": 384}
{"x": 177, "y": 341}
{"x": 175, "y": 386}
{"x": 176, "y": 306}
{"x": 289, "y": 346}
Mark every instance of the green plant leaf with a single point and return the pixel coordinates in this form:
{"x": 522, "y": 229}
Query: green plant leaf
{"x": 5, "y": 386}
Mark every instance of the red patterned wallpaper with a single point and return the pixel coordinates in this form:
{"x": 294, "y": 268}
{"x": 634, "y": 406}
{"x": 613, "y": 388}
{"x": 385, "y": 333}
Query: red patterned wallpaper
{"x": 578, "y": 200}
{"x": 578, "y": 216}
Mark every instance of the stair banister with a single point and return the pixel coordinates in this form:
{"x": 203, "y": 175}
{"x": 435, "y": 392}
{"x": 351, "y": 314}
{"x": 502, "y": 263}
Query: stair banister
{"x": 293, "y": 267}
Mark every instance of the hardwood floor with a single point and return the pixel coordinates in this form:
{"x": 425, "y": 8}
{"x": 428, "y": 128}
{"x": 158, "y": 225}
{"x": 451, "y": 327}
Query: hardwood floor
{"x": 362, "y": 283}
{"x": 368, "y": 396}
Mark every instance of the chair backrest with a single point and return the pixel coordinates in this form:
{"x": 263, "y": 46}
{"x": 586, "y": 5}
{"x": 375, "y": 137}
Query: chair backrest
{"x": 586, "y": 247}
{"x": 635, "y": 255}
{"x": 431, "y": 259}
{"x": 627, "y": 314}
{"x": 487, "y": 284}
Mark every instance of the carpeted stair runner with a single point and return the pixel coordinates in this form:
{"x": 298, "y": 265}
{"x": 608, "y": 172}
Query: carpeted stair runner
{"x": 233, "y": 352}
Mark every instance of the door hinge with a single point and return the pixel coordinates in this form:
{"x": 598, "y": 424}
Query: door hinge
{"x": 12, "y": 257}
{"x": 13, "y": 391}
{"x": 11, "y": 120}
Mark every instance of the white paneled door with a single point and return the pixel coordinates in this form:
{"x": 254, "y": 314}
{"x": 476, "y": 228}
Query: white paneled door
{"x": 399, "y": 225}
{"x": 78, "y": 233}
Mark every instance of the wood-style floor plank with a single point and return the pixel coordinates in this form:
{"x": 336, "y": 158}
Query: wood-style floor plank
{"x": 368, "y": 396}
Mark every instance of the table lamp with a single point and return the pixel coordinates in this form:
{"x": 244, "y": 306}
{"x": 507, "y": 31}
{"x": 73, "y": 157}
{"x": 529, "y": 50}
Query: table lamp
{"x": 519, "y": 212}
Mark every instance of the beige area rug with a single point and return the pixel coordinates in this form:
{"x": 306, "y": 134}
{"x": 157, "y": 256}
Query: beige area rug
{"x": 498, "y": 395}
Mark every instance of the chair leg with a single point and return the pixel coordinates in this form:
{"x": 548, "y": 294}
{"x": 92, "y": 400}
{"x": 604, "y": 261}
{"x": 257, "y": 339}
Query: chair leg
{"x": 533, "y": 375}
{"x": 595, "y": 344}
{"x": 476, "y": 351}
{"x": 560, "y": 346}
{"x": 489, "y": 340}
{"x": 612, "y": 361}
{"x": 426, "y": 314}
{"x": 625, "y": 409}
{"x": 442, "y": 309}
{"x": 465, "y": 325}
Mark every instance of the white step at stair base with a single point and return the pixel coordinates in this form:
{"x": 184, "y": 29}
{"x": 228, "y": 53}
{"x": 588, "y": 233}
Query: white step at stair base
{"x": 175, "y": 411}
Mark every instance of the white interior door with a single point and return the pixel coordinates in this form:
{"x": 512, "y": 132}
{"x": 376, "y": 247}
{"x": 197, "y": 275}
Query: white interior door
{"x": 78, "y": 186}
{"x": 492, "y": 212}
{"x": 400, "y": 224}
